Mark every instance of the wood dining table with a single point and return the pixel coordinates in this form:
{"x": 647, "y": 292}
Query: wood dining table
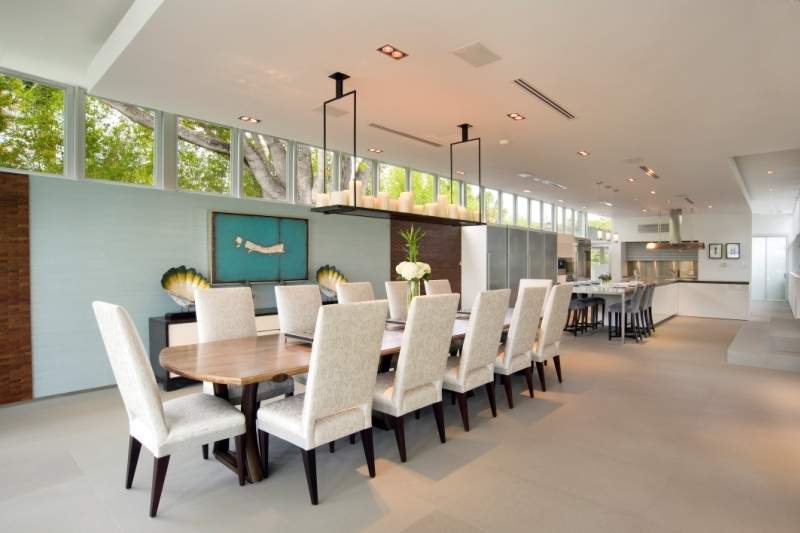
{"x": 249, "y": 361}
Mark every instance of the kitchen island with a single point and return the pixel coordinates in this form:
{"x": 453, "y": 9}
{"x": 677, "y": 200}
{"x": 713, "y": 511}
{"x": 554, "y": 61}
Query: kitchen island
{"x": 701, "y": 298}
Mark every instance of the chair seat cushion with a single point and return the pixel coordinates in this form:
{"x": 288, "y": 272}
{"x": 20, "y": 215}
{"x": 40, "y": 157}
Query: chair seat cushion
{"x": 284, "y": 419}
{"x": 474, "y": 378}
{"x": 413, "y": 399}
{"x": 518, "y": 362}
{"x": 193, "y": 420}
{"x": 549, "y": 352}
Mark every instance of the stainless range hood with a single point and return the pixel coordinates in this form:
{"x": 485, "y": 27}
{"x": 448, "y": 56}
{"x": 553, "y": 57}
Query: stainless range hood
{"x": 675, "y": 242}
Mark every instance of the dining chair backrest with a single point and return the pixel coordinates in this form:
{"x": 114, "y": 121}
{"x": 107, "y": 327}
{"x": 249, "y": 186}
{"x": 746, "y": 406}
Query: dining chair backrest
{"x": 397, "y": 294}
{"x": 132, "y": 370}
{"x": 437, "y": 286}
{"x": 343, "y": 366}
{"x": 426, "y": 344}
{"x": 483, "y": 331}
{"x": 224, "y": 314}
{"x": 356, "y": 291}
{"x": 636, "y": 298}
{"x": 524, "y": 322}
{"x": 647, "y": 301}
{"x": 555, "y": 316}
{"x": 532, "y": 282}
{"x": 298, "y": 306}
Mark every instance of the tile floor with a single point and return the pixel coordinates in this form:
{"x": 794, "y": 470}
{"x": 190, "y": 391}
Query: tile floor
{"x": 663, "y": 436}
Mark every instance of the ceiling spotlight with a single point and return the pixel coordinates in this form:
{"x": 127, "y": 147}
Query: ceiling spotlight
{"x": 561, "y": 201}
{"x": 770, "y": 172}
{"x": 635, "y": 199}
{"x": 249, "y": 120}
{"x": 630, "y": 179}
{"x": 515, "y": 116}
{"x": 375, "y": 150}
{"x": 503, "y": 141}
{"x": 583, "y": 207}
{"x": 710, "y": 206}
{"x": 392, "y": 51}
{"x": 609, "y": 204}
{"x": 536, "y": 179}
{"x": 524, "y": 175}
{"x": 649, "y": 171}
{"x": 667, "y": 201}
{"x": 583, "y": 153}
{"x": 526, "y": 191}
{"x": 652, "y": 192}
{"x": 644, "y": 210}
{"x": 460, "y": 172}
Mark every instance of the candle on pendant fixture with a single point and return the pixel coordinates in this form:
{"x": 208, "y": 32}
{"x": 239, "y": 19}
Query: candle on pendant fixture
{"x": 419, "y": 209}
{"x": 322, "y": 199}
{"x": 367, "y": 201}
{"x": 340, "y": 197}
{"x": 443, "y": 201}
{"x": 432, "y": 209}
{"x": 383, "y": 201}
{"x": 393, "y": 204}
{"x": 462, "y": 212}
{"x": 406, "y": 202}
{"x": 452, "y": 210}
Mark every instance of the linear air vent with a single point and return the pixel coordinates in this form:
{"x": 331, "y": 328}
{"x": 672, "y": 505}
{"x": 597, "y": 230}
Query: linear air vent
{"x": 527, "y": 87}
{"x": 406, "y": 135}
{"x": 686, "y": 198}
{"x": 650, "y": 172}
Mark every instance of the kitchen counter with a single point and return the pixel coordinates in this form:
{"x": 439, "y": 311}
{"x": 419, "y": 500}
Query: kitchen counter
{"x": 701, "y": 298}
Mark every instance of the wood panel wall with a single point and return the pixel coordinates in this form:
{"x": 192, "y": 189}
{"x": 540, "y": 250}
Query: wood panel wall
{"x": 15, "y": 302}
{"x": 441, "y": 249}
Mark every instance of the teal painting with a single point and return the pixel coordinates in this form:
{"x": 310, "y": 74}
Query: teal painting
{"x": 251, "y": 248}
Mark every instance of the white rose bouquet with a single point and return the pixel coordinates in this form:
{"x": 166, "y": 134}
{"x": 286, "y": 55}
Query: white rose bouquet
{"x": 411, "y": 271}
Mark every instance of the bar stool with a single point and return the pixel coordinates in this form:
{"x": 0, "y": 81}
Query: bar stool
{"x": 647, "y": 309}
{"x": 577, "y": 315}
{"x": 632, "y": 310}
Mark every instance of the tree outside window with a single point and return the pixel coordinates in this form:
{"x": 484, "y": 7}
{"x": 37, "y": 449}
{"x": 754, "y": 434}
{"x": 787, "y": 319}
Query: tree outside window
{"x": 491, "y": 201}
{"x": 422, "y": 186}
{"x": 444, "y": 188}
{"x": 391, "y": 179}
{"x": 204, "y": 156}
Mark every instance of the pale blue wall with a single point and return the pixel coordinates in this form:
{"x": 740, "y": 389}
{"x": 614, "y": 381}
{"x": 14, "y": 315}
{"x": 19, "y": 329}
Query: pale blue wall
{"x": 98, "y": 241}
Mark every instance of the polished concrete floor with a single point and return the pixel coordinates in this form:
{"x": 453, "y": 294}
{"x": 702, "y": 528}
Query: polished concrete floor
{"x": 663, "y": 436}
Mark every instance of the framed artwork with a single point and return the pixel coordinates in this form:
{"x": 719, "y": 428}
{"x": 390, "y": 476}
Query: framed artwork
{"x": 255, "y": 248}
{"x": 732, "y": 250}
{"x": 715, "y": 250}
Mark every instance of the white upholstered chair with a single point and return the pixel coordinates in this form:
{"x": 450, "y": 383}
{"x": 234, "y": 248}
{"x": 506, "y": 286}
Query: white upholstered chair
{"x": 533, "y": 282}
{"x": 298, "y": 306}
{"x": 358, "y": 291}
{"x": 475, "y": 366}
{"x": 549, "y": 342}
{"x": 416, "y": 381}
{"x": 341, "y": 382}
{"x": 437, "y": 286}
{"x": 225, "y": 314}
{"x": 516, "y": 352}
{"x": 163, "y": 428}
{"x": 397, "y": 295}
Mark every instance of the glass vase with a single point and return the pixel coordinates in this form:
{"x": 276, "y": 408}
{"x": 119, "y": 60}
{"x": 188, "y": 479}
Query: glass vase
{"x": 413, "y": 290}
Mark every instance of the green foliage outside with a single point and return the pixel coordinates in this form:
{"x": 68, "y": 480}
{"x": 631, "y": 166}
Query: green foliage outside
{"x": 422, "y": 186}
{"x": 473, "y": 197}
{"x": 31, "y": 126}
{"x": 391, "y": 179}
{"x": 444, "y": 188}
{"x": 491, "y": 206}
{"x": 199, "y": 168}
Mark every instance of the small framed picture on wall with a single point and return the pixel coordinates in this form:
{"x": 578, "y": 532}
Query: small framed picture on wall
{"x": 732, "y": 251}
{"x": 715, "y": 250}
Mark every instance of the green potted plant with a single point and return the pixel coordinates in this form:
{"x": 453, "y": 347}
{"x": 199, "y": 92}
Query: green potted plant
{"x": 412, "y": 270}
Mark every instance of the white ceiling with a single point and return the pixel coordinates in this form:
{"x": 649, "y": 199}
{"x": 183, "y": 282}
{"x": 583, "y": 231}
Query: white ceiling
{"x": 772, "y": 180}
{"x": 56, "y": 39}
{"x": 684, "y": 86}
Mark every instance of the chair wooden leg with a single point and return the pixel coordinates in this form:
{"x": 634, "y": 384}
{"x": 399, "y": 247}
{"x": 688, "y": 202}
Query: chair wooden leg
{"x": 310, "y": 464}
{"x": 462, "y": 406}
{"x": 528, "y": 371}
{"x": 540, "y": 371}
{"x": 205, "y": 451}
{"x": 263, "y": 443}
{"x": 241, "y": 468}
{"x": 492, "y": 400}
{"x": 134, "y": 447}
{"x": 417, "y": 414}
{"x": 369, "y": 451}
{"x": 400, "y": 436}
{"x": 509, "y": 392}
{"x": 438, "y": 413}
{"x": 160, "y": 465}
{"x": 353, "y": 438}
{"x": 557, "y": 363}
{"x": 452, "y": 398}
{"x": 331, "y": 446}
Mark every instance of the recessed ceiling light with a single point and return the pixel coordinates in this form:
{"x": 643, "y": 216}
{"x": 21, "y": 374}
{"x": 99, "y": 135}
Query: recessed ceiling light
{"x": 526, "y": 191}
{"x": 770, "y": 172}
{"x": 667, "y": 201}
{"x": 583, "y": 207}
{"x": 503, "y": 141}
{"x": 515, "y": 116}
{"x": 652, "y": 192}
{"x": 630, "y": 179}
{"x": 249, "y": 120}
{"x": 375, "y": 150}
{"x": 644, "y": 210}
{"x": 392, "y": 51}
{"x": 536, "y": 179}
{"x": 635, "y": 199}
{"x": 524, "y": 175}
{"x": 609, "y": 204}
{"x": 460, "y": 172}
{"x": 710, "y": 206}
{"x": 583, "y": 153}
{"x": 649, "y": 171}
